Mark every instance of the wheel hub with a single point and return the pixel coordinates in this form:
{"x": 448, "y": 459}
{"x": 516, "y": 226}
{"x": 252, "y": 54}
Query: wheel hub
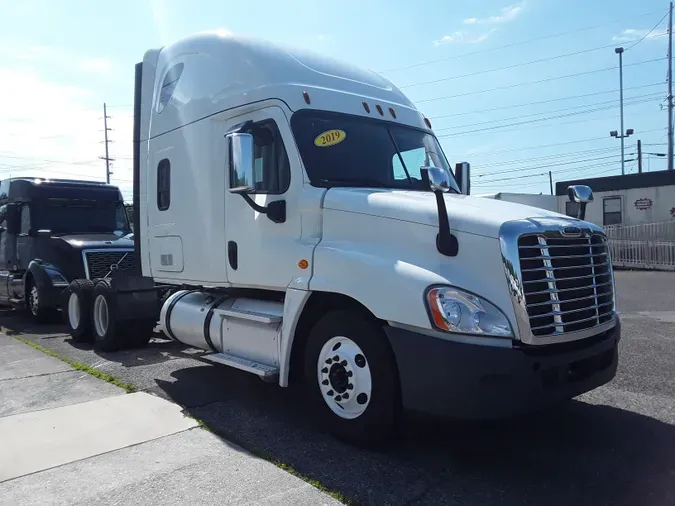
{"x": 344, "y": 377}
{"x": 338, "y": 378}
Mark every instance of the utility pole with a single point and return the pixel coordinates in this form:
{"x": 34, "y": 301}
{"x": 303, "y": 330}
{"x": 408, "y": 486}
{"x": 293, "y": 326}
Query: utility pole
{"x": 639, "y": 156}
{"x": 106, "y": 141}
{"x": 670, "y": 88}
{"x": 550, "y": 180}
{"x": 619, "y": 51}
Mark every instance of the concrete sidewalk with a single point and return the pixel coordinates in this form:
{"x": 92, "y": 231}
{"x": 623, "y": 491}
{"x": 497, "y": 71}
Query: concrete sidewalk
{"x": 69, "y": 438}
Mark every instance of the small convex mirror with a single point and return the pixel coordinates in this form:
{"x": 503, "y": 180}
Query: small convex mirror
{"x": 581, "y": 194}
{"x": 438, "y": 179}
{"x": 242, "y": 162}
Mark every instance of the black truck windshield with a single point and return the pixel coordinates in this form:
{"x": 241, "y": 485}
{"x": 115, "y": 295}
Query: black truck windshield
{"x": 343, "y": 150}
{"x": 79, "y": 216}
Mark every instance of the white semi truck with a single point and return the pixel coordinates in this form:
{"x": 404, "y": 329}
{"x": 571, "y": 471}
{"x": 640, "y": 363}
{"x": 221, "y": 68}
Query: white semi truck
{"x": 297, "y": 218}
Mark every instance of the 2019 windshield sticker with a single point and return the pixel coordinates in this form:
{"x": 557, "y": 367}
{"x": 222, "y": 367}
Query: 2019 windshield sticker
{"x": 330, "y": 138}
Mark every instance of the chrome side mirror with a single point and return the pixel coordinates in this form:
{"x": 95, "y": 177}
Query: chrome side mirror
{"x": 242, "y": 163}
{"x": 463, "y": 175}
{"x": 582, "y": 195}
{"x": 438, "y": 179}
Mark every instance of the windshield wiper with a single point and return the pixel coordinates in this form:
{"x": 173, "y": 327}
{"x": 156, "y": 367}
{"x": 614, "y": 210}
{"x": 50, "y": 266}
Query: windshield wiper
{"x": 356, "y": 182}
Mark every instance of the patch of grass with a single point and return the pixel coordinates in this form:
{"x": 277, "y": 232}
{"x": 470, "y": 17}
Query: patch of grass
{"x": 281, "y": 465}
{"x": 202, "y": 424}
{"x": 79, "y": 366}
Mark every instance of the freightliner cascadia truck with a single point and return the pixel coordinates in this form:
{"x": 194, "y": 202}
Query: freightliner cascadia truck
{"x": 296, "y": 217}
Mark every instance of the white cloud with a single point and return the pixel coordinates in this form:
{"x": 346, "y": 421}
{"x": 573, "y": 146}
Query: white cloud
{"x": 506, "y": 14}
{"x": 53, "y": 130}
{"x": 630, "y": 34}
{"x": 95, "y": 65}
{"x": 462, "y": 37}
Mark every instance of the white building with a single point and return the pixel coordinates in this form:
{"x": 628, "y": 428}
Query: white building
{"x": 631, "y": 199}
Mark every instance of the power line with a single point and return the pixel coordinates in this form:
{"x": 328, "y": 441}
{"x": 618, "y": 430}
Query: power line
{"x": 540, "y": 81}
{"x": 515, "y": 65}
{"x": 555, "y": 144}
{"x": 546, "y": 166}
{"x": 572, "y": 97}
{"x": 547, "y": 118}
{"x": 488, "y": 130}
{"x": 545, "y": 37}
{"x": 649, "y": 32}
{"x": 614, "y": 162}
{"x": 549, "y": 157}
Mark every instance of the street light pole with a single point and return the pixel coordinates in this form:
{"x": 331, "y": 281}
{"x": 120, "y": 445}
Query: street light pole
{"x": 619, "y": 51}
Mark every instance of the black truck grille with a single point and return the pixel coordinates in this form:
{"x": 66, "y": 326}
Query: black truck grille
{"x": 100, "y": 263}
{"x": 567, "y": 282}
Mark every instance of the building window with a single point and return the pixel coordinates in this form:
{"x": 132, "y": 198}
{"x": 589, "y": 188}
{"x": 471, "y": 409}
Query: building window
{"x": 611, "y": 211}
{"x": 272, "y": 169}
{"x": 572, "y": 209}
{"x": 163, "y": 185}
{"x": 169, "y": 85}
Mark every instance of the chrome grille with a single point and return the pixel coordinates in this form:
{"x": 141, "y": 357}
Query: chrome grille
{"x": 99, "y": 264}
{"x": 567, "y": 282}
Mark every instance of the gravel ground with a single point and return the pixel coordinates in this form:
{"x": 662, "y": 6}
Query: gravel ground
{"x": 615, "y": 445}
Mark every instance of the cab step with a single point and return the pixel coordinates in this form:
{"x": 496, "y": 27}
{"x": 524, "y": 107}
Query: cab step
{"x": 265, "y": 372}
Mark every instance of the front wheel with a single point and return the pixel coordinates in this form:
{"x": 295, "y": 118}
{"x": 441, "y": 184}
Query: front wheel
{"x": 351, "y": 378}
{"x": 107, "y": 332}
{"x": 35, "y": 304}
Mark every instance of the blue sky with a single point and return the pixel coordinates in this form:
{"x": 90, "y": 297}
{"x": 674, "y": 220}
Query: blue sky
{"x": 60, "y": 60}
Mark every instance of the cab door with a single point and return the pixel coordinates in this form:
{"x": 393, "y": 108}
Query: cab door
{"x": 261, "y": 253}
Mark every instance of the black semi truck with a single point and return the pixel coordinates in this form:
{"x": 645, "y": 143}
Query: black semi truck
{"x": 53, "y": 231}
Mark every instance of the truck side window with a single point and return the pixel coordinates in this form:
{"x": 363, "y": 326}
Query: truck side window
{"x": 272, "y": 168}
{"x": 25, "y": 219}
{"x": 163, "y": 184}
{"x": 413, "y": 159}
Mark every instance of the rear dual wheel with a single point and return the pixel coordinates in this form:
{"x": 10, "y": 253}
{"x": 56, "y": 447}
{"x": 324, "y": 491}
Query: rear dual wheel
{"x": 92, "y": 317}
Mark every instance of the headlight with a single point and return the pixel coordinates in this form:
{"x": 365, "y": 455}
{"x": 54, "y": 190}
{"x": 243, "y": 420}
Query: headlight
{"x": 455, "y": 310}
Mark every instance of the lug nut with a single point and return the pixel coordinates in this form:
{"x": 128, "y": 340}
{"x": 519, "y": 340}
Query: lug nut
{"x": 345, "y": 395}
{"x": 330, "y": 393}
{"x": 338, "y": 398}
{"x": 336, "y": 358}
{"x": 343, "y": 363}
{"x": 350, "y": 387}
{"x": 328, "y": 361}
{"x": 350, "y": 374}
{"x": 324, "y": 382}
{"x": 324, "y": 370}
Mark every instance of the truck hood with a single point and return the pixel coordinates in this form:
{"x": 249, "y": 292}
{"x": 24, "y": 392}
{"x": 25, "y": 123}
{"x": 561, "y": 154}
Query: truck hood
{"x": 96, "y": 240}
{"x": 472, "y": 215}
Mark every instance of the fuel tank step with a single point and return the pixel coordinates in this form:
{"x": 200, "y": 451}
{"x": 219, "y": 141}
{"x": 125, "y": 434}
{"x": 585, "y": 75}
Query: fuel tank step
{"x": 266, "y": 372}
{"x": 244, "y": 314}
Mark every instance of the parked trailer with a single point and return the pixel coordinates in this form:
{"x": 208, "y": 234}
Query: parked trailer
{"x": 296, "y": 217}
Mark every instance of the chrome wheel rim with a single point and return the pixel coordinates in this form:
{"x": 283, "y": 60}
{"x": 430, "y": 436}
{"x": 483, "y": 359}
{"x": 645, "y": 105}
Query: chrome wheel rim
{"x": 34, "y": 300}
{"x": 344, "y": 377}
{"x": 101, "y": 316}
{"x": 74, "y": 311}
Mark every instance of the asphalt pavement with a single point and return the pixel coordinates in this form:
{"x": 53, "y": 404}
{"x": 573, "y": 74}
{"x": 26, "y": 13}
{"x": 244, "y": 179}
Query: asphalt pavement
{"x": 615, "y": 445}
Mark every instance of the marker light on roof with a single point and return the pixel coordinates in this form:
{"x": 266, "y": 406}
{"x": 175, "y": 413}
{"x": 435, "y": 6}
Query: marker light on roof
{"x": 379, "y": 109}
{"x": 392, "y": 112}
{"x": 366, "y": 107}
{"x": 427, "y": 122}
{"x": 306, "y": 97}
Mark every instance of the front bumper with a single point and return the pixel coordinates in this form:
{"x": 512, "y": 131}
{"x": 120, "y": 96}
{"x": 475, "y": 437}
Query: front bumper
{"x": 467, "y": 381}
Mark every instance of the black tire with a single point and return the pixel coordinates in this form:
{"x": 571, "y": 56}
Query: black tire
{"x": 109, "y": 336}
{"x": 38, "y": 312}
{"x": 378, "y": 423}
{"x": 81, "y": 290}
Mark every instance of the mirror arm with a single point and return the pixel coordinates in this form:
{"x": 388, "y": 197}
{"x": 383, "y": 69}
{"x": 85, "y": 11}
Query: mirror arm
{"x": 275, "y": 211}
{"x": 446, "y": 242}
{"x": 581, "y": 215}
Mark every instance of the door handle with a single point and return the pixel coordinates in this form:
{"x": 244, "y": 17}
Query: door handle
{"x": 232, "y": 254}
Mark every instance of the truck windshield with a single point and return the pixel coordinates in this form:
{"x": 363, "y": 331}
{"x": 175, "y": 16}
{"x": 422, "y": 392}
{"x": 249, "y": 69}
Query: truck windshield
{"x": 343, "y": 150}
{"x": 77, "y": 216}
